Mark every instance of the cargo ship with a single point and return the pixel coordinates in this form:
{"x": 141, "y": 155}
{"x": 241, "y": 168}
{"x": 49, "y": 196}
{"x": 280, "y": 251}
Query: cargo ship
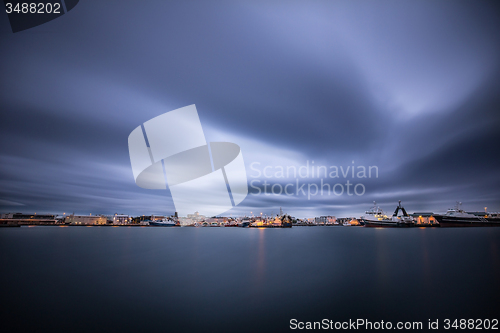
{"x": 456, "y": 217}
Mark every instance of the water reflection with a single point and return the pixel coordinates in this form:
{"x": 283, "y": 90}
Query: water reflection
{"x": 424, "y": 248}
{"x": 382, "y": 256}
{"x": 260, "y": 272}
{"x": 234, "y": 279}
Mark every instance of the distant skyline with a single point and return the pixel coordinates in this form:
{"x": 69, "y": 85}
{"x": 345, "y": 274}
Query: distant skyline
{"x": 412, "y": 88}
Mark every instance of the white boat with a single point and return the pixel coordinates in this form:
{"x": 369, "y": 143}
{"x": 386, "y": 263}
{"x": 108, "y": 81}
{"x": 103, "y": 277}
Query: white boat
{"x": 245, "y": 222}
{"x": 381, "y": 220}
{"x": 374, "y": 214}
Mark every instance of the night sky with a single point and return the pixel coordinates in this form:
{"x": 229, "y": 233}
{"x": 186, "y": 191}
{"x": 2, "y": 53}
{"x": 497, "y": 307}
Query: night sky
{"x": 410, "y": 87}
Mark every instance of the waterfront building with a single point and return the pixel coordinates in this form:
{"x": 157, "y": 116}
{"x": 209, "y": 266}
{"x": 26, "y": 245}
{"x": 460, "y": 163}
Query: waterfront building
{"x": 193, "y": 220}
{"x": 325, "y": 220}
{"x": 27, "y": 216}
{"x": 310, "y": 220}
{"x": 217, "y": 220}
{"x": 85, "y": 220}
{"x": 343, "y": 220}
{"x": 196, "y": 217}
{"x": 118, "y": 219}
{"x": 121, "y": 219}
{"x": 27, "y": 219}
{"x": 183, "y": 221}
{"x": 424, "y": 218}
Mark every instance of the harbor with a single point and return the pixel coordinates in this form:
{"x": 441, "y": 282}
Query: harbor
{"x": 374, "y": 217}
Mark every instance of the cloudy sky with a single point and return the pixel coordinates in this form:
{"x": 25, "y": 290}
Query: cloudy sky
{"x": 411, "y": 87}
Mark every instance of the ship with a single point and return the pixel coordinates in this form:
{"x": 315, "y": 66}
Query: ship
{"x": 377, "y": 218}
{"x": 280, "y": 221}
{"x": 456, "y": 217}
{"x": 353, "y": 222}
{"x": 374, "y": 214}
{"x": 245, "y": 223}
{"x": 164, "y": 223}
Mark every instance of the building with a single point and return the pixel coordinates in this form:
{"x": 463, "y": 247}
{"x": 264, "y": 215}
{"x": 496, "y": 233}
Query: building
{"x": 322, "y": 220}
{"x": 217, "y": 220}
{"x": 119, "y": 219}
{"x": 27, "y": 219}
{"x": 196, "y": 217}
{"x": 310, "y": 220}
{"x": 424, "y": 218}
{"x": 27, "y": 216}
{"x": 85, "y": 220}
{"x": 342, "y": 220}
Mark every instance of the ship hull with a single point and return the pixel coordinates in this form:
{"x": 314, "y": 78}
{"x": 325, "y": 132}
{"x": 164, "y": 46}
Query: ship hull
{"x": 159, "y": 224}
{"x": 387, "y": 224}
{"x": 447, "y": 221}
{"x": 270, "y": 226}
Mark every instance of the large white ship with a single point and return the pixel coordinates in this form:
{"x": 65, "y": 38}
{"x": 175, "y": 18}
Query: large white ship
{"x": 376, "y": 218}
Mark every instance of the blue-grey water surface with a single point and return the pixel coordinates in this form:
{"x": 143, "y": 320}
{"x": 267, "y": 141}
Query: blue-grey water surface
{"x": 105, "y": 279}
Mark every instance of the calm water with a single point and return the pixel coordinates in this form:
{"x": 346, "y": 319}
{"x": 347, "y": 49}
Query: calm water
{"x": 94, "y": 279}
